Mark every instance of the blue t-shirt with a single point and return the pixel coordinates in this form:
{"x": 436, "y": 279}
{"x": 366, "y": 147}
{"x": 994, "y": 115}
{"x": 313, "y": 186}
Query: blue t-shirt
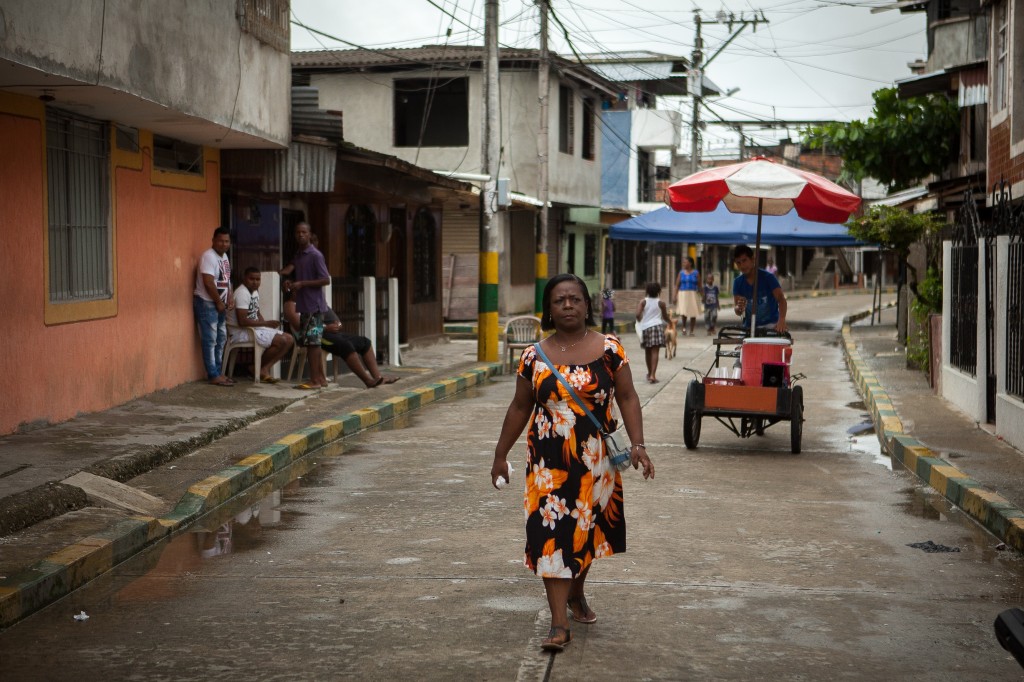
{"x": 767, "y": 306}
{"x": 689, "y": 282}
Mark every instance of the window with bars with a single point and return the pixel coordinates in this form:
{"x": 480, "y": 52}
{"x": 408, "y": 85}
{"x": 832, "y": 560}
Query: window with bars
{"x": 590, "y": 255}
{"x": 424, "y": 257}
{"x": 78, "y": 202}
{"x": 1000, "y": 74}
{"x": 589, "y": 129}
{"x": 175, "y": 155}
{"x": 566, "y": 119}
{"x": 360, "y": 242}
{"x": 267, "y": 21}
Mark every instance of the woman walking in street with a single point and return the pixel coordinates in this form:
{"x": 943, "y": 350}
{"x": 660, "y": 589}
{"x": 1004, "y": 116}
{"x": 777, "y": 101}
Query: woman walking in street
{"x": 573, "y": 496}
{"x": 688, "y": 295}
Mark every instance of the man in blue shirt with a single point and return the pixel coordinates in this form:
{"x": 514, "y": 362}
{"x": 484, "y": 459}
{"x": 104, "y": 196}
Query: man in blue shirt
{"x": 771, "y": 301}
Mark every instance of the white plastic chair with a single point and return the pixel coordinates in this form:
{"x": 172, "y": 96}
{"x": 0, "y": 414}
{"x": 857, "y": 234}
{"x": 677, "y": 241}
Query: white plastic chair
{"x": 228, "y": 363}
{"x": 520, "y": 332}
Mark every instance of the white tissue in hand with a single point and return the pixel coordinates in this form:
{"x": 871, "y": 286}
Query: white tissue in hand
{"x": 501, "y": 482}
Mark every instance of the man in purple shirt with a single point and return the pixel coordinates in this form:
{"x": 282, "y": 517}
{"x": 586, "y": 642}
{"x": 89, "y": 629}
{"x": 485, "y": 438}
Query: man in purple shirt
{"x": 307, "y": 288}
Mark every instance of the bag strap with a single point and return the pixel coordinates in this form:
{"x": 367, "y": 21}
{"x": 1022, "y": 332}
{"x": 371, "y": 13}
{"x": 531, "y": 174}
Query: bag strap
{"x": 568, "y": 386}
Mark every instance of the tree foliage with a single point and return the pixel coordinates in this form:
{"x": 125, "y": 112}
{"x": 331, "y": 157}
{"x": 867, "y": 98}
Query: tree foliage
{"x": 896, "y": 229}
{"x": 903, "y": 142}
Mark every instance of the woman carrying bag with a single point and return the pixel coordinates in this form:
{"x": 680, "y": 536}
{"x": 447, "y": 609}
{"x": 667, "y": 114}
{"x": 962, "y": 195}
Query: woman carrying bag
{"x": 573, "y": 496}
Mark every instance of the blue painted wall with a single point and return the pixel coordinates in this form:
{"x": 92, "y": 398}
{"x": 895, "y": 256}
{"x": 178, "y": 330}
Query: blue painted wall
{"x": 615, "y": 133}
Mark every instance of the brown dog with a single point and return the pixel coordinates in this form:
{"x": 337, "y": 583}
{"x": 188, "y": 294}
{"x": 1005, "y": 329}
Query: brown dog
{"x": 670, "y": 339}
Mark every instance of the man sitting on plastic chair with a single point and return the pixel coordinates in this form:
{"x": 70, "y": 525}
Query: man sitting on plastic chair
{"x": 248, "y": 324}
{"x": 356, "y": 351}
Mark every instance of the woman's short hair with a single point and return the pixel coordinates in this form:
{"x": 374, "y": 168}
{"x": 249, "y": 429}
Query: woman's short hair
{"x": 653, "y": 289}
{"x": 546, "y": 321}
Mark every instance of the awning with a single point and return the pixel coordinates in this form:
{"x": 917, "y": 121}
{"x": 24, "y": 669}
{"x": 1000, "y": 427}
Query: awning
{"x": 723, "y": 227}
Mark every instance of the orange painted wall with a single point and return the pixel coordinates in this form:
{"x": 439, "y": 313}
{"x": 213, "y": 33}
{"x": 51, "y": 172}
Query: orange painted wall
{"x": 52, "y": 373}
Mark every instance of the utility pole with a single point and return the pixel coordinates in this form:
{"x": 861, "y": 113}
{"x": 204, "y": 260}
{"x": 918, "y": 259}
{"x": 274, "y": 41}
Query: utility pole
{"x": 543, "y": 144}
{"x": 695, "y": 83}
{"x": 490, "y": 241}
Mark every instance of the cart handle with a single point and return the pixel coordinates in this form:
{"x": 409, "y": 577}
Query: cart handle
{"x": 699, "y": 375}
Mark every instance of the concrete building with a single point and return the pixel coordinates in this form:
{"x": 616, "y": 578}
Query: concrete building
{"x": 425, "y": 106}
{"x": 113, "y": 115}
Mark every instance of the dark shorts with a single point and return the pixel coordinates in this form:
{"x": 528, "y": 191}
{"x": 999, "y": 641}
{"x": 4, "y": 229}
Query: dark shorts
{"x": 311, "y": 329}
{"x": 343, "y": 345}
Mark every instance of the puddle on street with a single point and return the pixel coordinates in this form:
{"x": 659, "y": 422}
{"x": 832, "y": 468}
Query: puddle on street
{"x": 245, "y": 525}
{"x": 867, "y": 443}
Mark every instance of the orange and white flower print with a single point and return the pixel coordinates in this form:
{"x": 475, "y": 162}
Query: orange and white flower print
{"x": 584, "y": 515}
{"x": 540, "y": 481}
{"x": 600, "y": 397}
{"x": 562, "y": 418}
{"x": 601, "y": 546}
{"x": 550, "y": 564}
{"x": 604, "y": 484}
{"x": 579, "y": 377}
{"x": 558, "y": 505}
{"x": 543, "y": 424}
{"x": 593, "y": 451}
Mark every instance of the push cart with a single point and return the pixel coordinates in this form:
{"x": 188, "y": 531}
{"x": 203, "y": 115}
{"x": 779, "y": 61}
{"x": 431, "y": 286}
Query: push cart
{"x": 748, "y": 387}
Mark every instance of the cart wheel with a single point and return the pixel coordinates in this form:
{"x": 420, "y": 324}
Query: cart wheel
{"x": 691, "y": 418}
{"x": 796, "y": 420}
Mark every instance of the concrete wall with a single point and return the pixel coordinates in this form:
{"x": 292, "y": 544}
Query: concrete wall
{"x": 144, "y": 339}
{"x": 366, "y": 101}
{"x": 959, "y": 388}
{"x": 189, "y": 58}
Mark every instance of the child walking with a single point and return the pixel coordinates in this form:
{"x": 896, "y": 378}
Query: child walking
{"x": 651, "y": 318}
{"x": 710, "y": 304}
{"x": 607, "y": 312}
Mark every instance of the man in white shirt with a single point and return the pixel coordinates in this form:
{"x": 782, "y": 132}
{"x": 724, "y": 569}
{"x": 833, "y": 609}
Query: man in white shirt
{"x": 248, "y": 322}
{"x": 210, "y": 303}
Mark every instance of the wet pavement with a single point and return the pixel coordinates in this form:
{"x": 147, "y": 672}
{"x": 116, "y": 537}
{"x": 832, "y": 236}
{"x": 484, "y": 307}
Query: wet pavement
{"x": 387, "y": 554}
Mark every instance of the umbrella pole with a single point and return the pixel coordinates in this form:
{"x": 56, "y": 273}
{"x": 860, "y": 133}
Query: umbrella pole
{"x": 757, "y": 269}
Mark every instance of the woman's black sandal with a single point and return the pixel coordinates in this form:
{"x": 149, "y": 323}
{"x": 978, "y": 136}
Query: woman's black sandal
{"x": 579, "y": 611}
{"x": 551, "y": 644}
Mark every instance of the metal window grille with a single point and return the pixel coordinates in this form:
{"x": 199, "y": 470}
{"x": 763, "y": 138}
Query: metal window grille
{"x": 424, "y": 257}
{"x": 267, "y": 21}
{"x": 78, "y": 183}
{"x": 1015, "y": 311}
{"x": 963, "y": 342}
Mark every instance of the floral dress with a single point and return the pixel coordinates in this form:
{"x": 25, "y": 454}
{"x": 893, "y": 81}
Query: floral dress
{"x": 573, "y": 497}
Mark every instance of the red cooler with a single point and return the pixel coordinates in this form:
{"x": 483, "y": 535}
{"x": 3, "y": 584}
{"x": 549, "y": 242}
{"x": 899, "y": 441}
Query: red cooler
{"x": 757, "y": 352}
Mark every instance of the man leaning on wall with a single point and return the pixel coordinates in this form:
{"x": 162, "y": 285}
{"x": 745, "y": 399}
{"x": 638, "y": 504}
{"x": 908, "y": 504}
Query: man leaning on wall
{"x": 211, "y": 301}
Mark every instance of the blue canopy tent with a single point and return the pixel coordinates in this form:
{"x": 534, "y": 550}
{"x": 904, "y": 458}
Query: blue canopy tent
{"x": 724, "y": 227}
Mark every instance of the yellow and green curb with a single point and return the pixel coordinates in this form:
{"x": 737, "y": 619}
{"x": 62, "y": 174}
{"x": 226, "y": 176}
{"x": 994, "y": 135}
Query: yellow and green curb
{"x": 71, "y": 567}
{"x": 994, "y": 512}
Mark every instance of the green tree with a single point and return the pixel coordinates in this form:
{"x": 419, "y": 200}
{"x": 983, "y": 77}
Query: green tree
{"x": 896, "y": 229}
{"x": 903, "y": 142}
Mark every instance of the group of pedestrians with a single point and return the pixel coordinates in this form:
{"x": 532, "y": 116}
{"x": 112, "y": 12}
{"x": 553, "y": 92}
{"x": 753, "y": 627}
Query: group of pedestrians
{"x": 653, "y": 318}
{"x": 313, "y": 325}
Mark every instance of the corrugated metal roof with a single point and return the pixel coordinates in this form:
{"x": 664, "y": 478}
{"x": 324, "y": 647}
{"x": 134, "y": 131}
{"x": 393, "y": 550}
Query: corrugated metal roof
{"x": 300, "y": 168}
{"x": 624, "y": 73}
{"x": 310, "y": 120}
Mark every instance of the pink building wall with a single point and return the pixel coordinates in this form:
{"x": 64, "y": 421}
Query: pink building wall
{"x": 52, "y": 372}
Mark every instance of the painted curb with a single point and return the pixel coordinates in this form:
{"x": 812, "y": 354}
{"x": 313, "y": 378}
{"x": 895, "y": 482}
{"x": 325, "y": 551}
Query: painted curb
{"x": 994, "y": 512}
{"x": 73, "y": 566}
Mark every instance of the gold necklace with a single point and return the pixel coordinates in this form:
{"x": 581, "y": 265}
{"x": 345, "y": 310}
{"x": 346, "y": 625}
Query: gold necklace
{"x": 571, "y": 345}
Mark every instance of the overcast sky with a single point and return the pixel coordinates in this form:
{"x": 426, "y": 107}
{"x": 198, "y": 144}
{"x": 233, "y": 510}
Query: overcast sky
{"x": 814, "y": 59}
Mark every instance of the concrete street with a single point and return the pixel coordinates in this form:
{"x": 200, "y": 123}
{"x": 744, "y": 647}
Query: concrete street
{"x": 388, "y": 555}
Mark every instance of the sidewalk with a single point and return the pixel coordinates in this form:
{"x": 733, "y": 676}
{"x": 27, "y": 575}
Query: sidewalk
{"x": 960, "y": 459}
{"x": 80, "y": 497}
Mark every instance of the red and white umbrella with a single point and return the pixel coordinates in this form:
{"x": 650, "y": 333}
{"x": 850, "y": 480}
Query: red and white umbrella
{"x": 762, "y": 187}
